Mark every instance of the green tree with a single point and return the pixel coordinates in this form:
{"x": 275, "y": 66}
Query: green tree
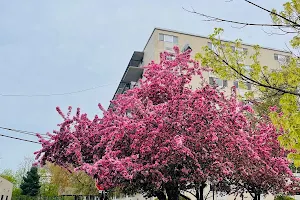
{"x": 31, "y": 184}
{"x": 288, "y": 19}
{"x": 272, "y": 86}
{"x": 47, "y": 189}
{"x": 23, "y": 168}
{"x": 79, "y": 181}
{"x": 281, "y": 197}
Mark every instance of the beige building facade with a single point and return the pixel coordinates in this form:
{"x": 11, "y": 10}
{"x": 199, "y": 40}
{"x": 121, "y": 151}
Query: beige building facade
{"x": 164, "y": 40}
{"x": 6, "y": 188}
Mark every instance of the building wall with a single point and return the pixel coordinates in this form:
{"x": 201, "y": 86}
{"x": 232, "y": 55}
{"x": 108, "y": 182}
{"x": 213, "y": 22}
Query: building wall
{"x": 198, "y": 42}
{"x": 134, "y": 197}
{"x": 149, "y": 50}
{"x": 154, "y": 46}
{"x": 6, "y": 188}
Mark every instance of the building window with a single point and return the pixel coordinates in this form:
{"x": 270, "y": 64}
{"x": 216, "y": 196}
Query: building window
{"x": 248, "y": 70}
{"x": 211, "y": 46}
{"x": 236, "y": 84}
{"x": 281, "y": 58}
{"x": 169, "y": 49}
{"x": 248, "y": 85}
{"x": 134, "y": 84}
{"x": 186, "y": 47}
{"x": 239, "y": 49}
{"x": 168, "y": 38}
{"x": 233, "y": 48}
{"x": 170, "y": 57}
{"x": 294, "y": 169}
{"x": 217, "y": 81}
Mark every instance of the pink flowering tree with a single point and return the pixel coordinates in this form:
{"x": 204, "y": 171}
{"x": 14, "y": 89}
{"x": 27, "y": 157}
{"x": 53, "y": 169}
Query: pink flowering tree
{"x": 164, "y": 137}
{"x": 267, "y": 172}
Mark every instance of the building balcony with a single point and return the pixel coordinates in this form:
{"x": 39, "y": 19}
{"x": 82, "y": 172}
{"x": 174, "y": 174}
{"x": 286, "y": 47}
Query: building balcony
{"x": 132, "y": 74}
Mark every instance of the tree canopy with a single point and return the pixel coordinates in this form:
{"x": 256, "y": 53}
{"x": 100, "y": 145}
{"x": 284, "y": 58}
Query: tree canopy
{"x": 63, "y": 179}
{"x": 31, "y": 184}
{"x": 164, "y": 137}
{"x": 271, "y": 85}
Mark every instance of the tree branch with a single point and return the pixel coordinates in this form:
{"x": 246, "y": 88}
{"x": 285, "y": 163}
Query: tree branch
{"x": 271, "y": 12}
{"x": 284, "y": 32}
{"x": 190, "y": 193}
{"x": 205, "y": 198}
{"x": 254, "y": 81}
{"x": 185, "y": 197}
{"x": 217, "y": 19}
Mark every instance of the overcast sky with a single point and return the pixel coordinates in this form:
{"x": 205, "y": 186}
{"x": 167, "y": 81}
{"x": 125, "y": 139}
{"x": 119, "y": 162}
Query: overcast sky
{"x": 63, "y": 46}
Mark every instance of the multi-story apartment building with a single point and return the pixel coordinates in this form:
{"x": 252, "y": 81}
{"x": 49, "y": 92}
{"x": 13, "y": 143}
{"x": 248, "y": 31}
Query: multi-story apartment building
{"x": 164, "y": 40}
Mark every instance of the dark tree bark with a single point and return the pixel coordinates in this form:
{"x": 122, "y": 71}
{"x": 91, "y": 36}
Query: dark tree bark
{"x": 197, "y": 194}
{"x": 201, "y": 191}
{"x": 160, "y": 195}
{"x": 172, "y": 191}
{"x": 256, "y": 196}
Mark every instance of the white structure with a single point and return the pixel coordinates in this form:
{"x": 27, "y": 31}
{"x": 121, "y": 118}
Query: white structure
{"x": 135, "y": 197}
{"x": 6, "y": 188}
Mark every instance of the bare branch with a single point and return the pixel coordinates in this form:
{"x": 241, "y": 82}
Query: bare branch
{"x": 288, "y": 32}
{"x": 271, "y": 12}
{"x": 291, "y": 52}
{"x": 293, "y": 24}
{"x": 217, "y": 19}
{"x": 239, "y": 27}
{"x": 205, "y": 198}
{"x": 272, "y": 33}
{"x": 190, "y": 192}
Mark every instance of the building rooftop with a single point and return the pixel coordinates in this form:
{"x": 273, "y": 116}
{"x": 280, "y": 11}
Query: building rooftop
{"x": 206, "y": 37}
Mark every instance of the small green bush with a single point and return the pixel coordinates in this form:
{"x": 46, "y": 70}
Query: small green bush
{"x": 282, "y": 197}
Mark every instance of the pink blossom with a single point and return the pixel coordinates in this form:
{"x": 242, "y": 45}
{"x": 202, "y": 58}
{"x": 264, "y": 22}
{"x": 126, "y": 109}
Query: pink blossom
{"x": 173, "y": 135}
{"x": 273, "y": 108}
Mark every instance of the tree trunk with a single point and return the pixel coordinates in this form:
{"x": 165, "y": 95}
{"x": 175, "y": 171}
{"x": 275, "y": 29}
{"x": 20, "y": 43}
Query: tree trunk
{"x": 172, "y": 192}
{"x": 197, "y": 194}
{"x": 201, "y": 191}
{"x": 160, "y": 195}
{"x": 256, "y": 196}
{"x": 201, "y": 195}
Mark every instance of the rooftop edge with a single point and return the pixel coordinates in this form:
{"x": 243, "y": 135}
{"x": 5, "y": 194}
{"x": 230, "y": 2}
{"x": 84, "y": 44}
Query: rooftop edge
{"x": 206, "y": 37}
